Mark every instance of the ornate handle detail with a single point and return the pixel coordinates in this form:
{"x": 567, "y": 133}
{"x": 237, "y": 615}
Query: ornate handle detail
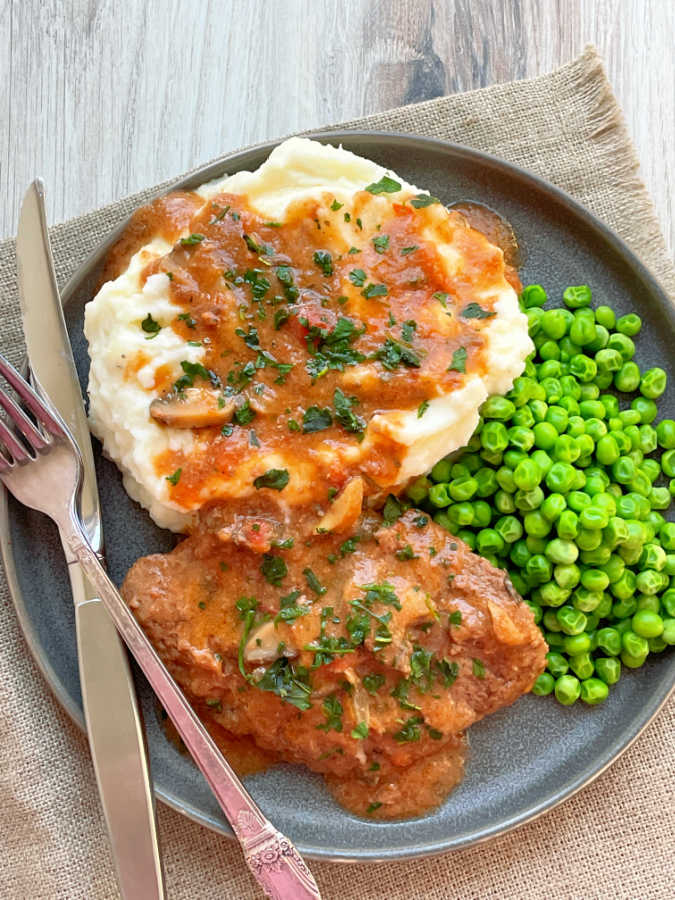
{"x": 273, "y": 860}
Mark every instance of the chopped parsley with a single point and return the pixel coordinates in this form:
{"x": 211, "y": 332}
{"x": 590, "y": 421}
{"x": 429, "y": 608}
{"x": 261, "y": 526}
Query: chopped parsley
{"x": 447, "y": 671}
{"x": 332, "y": 709}
{"x": 410, "y": 730}
{"x": 357, "y": 277}
{"x": 333, "y": 349}
{"x": 376, "y": 803}
{"x": 243, "y": 414}
{"x": 288, "y": 682}
{"x": 349, "y": 546}
{"x": 372, "y": 683}
{"x": 478, "y": 668}
{"x": 458, "y": 363}
{"x": 374, "y": 290}
{"x": 275, "y": 479}
{"x": 313, "y": 582}
{"x": 193, "y": 370}
{"x": 385, "y": 185}
{"x": 150, "y": 326}
{"x": 406, "y": 553}
{"x": 422, "y": 200}
{"x": 381, "y": 243}
{"x": 455, "y": 617}
{"x": 360, "y": 732}
{"x": 273, "y": 568}
{"x": 442, "y": 298}
{"x": 400, "y": 693}
{"x": 353, "y": 250}
{"x": 187, "y": 318}
{"x": 393, "y": 354}
{"x": 344, "y": 414}
{"x": 475, "y": 311}
{"x": 175, "y": 478}
{"x": 324, "y": 261}
{"x": 316, "y": 419}
{"x": 191, "y": 240}
{"x": 408, "y": 330}
{"x": 422, "y": 408}
{"x": 289, "y": 611}
{"x": 253, "y": 245}
{"x": 421, "y": 521}
{"x": 393, "y": 510}
{"x": 335, "y": 206}
{"x": 406, "y": 251}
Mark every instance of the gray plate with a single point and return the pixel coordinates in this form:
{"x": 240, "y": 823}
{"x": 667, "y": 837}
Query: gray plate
{"x": 524, "y": 760}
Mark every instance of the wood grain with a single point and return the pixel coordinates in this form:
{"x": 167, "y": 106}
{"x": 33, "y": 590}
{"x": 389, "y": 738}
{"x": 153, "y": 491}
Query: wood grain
{"x": 103, "y": 97}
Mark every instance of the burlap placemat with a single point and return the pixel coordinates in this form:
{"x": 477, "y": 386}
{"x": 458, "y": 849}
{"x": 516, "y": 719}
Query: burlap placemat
{"x": 613, "y": 839}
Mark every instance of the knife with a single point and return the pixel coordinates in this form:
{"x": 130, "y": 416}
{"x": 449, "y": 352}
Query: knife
{"x": 116, "y": 734}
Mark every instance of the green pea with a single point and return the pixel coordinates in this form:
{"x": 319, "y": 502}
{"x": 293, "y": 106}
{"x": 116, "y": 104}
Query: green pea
{"x": 646, "y": 408}
{"x": 599, "y": 556}
{"x": 668, "y": 634}
{"x": 648, "y": 438}
{"x": 647, "y": 624}
{"x": 571, "y": 388}
{"x": 601, "y": 339}
{"x": 494, "y": 436}
{"x": 443, "y": 519}
{"x": 533, "y": 295}
{"x": 627, "y": 379}
{"x": 665, "y": 434}
{"x": 439, "y": 495}
{"x": 519, "y": 584}
{"x": 521, "y": 438}
{"x": 534, "y": 317}
{"x": 653, "y": 383}
{"x": 441, "y": 471}
{"x": 519, "y": 554}
{"x": 656, "y": 644}
{"x": 529, "y": 500}
{"x": 556, "y": 663}
{"x": 668, "y": 463}
{"x": 578, "y": 500}
{"x": 497, "y": 407}
{"x": 604, "y": 315}
{"x": 469, "y": 537}
{"x": 567, "y": 575}
{"x": 489, "y": 541}
{"x": 623, "y": 470}
{"x": 608, "y": 360}
{"x": 594, "y": 580}
{"x": 560, "y": 477}
{"x": 462, "y": 488}
{"x": 482, "y": 514}
{"x": 582, "y": 330}
{"x": 538, "y": 408}
{"x": 609, "y": 641}
{"x": 623, "y": 344}
{"x": 504, "y": 502}
{"x": 567, "y": 525}
{"x": 549, "y": 350}
{"x": 594, "y": 691}
{"x": 552, "y": 389}
{"x": 623, "y": 589}
{"x": 591, "y": 409}
{"x": 523, "y": 417}
{"x": 622, "y": 441}
{"x": 669, "y": 567}
{"x": 577, "y": 296}
{"x": 659, "y": 498}
{"x": 606, "y": 450}
{"x": 550, "y": 368}
{"x": 418, "y": 490}
{"x": 592, "y": 518}
{"x": 634, "y": 644}
{"x": 509, "y": 528}
{"x": 629, "y": 324}
{"x": 463, "y": 513}
{"x": 608, "y": 669}
{"x": 586, "y": 601}
{"x": 512, "y": 457}
{"x": 545, "y": 435}
{"x": 571, "y": 620}
{"x": 486, "y": 482}
{"x": 576, "y": 426}
{"x": 555, "y": 323}
{"x": 538, "y": 569}
{"x": 614, "y": 568}
{"x": 543, "y": 685}
{"x": 582, "y": 665}
{"x": 649, "y": 581}
{"x": 567, "y": 690}
{"x": 472, "y": 462}
{"x": 583, "y": 367}
{"x": 562, "y": 552}
{"x": 553, "y": 595}
{"x": 536, "y": 525}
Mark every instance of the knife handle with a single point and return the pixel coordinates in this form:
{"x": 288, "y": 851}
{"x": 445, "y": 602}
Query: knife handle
{"x": 118, "y": 750}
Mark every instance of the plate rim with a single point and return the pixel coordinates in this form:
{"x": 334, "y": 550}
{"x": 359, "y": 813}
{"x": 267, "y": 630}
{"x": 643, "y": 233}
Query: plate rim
{"x": 216, "y": 168}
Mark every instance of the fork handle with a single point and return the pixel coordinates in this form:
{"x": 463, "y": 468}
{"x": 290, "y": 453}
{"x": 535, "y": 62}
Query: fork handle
{"x": 269, "y": 854}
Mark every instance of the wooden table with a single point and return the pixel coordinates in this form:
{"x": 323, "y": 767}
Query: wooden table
{"x": 103, "y": 97}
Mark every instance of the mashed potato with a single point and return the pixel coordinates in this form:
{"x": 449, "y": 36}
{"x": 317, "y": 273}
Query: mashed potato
{"x": 180, "y": 298}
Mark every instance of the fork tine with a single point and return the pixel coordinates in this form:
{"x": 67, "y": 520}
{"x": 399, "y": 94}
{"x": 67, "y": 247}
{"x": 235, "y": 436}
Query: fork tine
{"x": 30, "y": 398}
{"x": 17, "y": 450}
{"x": 22, "y": 422}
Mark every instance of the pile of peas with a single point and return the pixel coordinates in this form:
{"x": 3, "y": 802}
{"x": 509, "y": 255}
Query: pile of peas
{"x": 561, "y": 487}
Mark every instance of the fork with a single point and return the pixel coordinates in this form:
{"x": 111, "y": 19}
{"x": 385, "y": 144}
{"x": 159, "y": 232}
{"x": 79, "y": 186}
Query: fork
{"x": 41, "y": 466}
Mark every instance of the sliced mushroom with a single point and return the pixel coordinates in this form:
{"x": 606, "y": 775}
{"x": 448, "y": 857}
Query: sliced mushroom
{"x": 263, "y": 645}
{"x": 346, "y": 508}
{"x": 195, "y": 407}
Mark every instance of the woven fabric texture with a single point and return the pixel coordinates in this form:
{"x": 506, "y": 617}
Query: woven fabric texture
{"x": 613, "y": 839}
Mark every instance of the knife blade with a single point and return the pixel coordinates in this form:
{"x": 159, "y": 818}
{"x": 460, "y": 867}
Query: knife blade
{"x": 114, "y": 725}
